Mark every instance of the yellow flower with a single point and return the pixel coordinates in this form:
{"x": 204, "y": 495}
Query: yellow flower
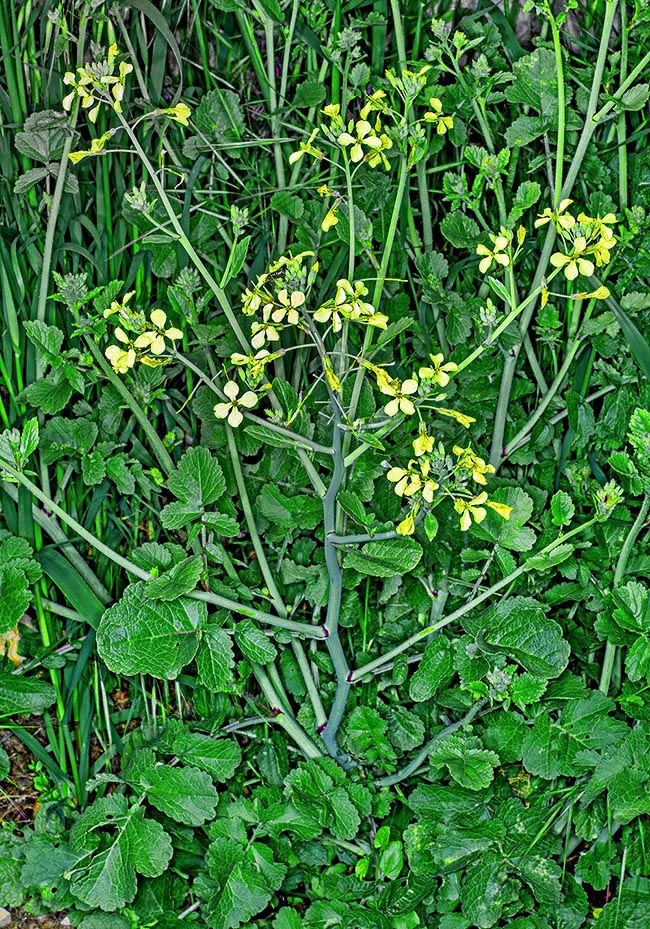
{"x": 93, "y": 81}
{"x": 232, "y": 409}
{"x": 400, "y": 391}
{"x": 495, "y": 254}
{"x": 330, "y": 374}
{"x": 365, "y": 135}
{"x": 599, "y": 225}
{"x": 333, "y": 112}
{"x": 121, "y": 359}
{"x": 179, "y": 113}
{"x": 424, "y": 443}
{"x": 375, "y": 101}
{"x": 376, "y": 156}
{"x": 413, "y": 480}
{"x": 461, "y": 418}
{"x": 502, "y": 509}
{"x": 601, "y": 293}
{"x": 329, "y": 311}
{"x": 288, "y": 308}
{"x": 264, "y": 331}
{"x": 121, "y": 308}
{"x": 255, "y": 363}
{"x": 438, "y": 372}
{"x": 306, "y": 148}
{"x": 331, "y": 219}
{"x": 601, "y": 250}
{"x": 407, "y": 526}
{"x": 469, "y": 509}
{"x": 154, "y": 340}
{"x": 560, "y": 221}
{"x": 574, "y": 263}
{"x": 442, "y": 123}
{"x": 96, "y": 146}
{"x": 9, "y": 642}
{"x": 472, "y": 463}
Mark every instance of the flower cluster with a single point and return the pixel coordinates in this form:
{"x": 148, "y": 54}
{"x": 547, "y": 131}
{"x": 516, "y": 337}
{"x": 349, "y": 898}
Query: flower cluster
{"x": 97, "y": 83}
{"x": 437, "y": 118}
{"x": 588, "y": 240}
{"x": 348, "y": 303}
{"x": 143, "y": 341}
{"x": 501, "y": 253}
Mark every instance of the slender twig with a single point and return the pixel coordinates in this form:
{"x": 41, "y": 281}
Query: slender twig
{"x": 423, "y": 754}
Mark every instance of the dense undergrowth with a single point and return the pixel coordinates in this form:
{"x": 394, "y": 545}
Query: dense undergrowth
{"x": 326, "y": 463}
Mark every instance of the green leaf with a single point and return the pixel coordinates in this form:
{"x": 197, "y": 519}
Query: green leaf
{"x": 289, "y": 513}
{"x": 198, "y": 480}
{"x": 535, "y": 83}
{"x": 287, "y": 918}
{"x": 93, "y": 468}
{"x": 314, "y": 794}
{"x": 405, "y": 729}
{"x": 253, "y": 643}
{"x": 220, "y": 116}
{"x": 635, "y": 98}
{"x": 460, "y": 230}
{"x": 309, "y": 93}
{"x": 287, "y": 204}
{"x": 220, "y": 758}
{"x": 15, "y": 596}
{"x": 19, "y": 694}
{"x": 520, "y": 628}
{"x": 49, "y": 394}
{"x": 245, "y": 880}
{"x": 215, "y": 660}
{"x": 47, "y": 340}
{"x": 630, "y": 908}
{"x": 138, "y": 636}
{"x": 365, "y": 735}
{"x": 181, "y": 579}
{"x": 221, "y": 524}
{"x": 435, "y": 671}
{"x": 562, "y": 508}
{"x": 43, "y": 135}
{"x": 524, "y": 130}
{"x": 483, "y": 891}
{"x": 470, "y": 765}
{"x": 106, "y": 879}
{"x": 385, "y": 558}
{"x": 185, "y": 794}
{"x": 526, "y": 689}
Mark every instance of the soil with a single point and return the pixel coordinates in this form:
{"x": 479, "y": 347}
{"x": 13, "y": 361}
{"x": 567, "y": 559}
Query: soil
{"x": 17, "y": 806}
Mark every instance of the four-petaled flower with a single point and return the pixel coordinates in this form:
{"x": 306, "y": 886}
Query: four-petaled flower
{"x": 560, "y": 218}
{"x": 496, "y": 254}
{"x": 437, "y": 372}
{"x": 96, "y": 146}
{"x": 574, "y": 264}
{"x": 121, "y": 359}
{"x": 264, "y": 331}
{"x": 442, "y": 123}
{"x": 469, "y": 509}
{"x": 306, "y": 148}
{"x": 288, "y": 307}
{"x": 471, "y": 462}
{"x": 232, "y": 409}
{"x": 154, "y": 340}
{"x": 179, "y": 113}
{"x": 401, "y": 391}
{"x": 424, "y": 443}
{"x": 364, "y": 136}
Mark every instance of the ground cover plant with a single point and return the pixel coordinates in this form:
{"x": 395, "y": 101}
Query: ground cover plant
{"x": 326, "y": 463}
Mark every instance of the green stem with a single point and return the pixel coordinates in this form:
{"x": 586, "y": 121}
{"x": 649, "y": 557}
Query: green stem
{"x": 290, "y": 726}
{"x": 521, "y": 437}
{"x": 274, "y": 593}
{"x": 510, "y": 364}
{"x": 162, "y": 455}
{"x": 423, "y": 754}
{"x": 287, "y": 433}
{"x": 621, "y": 127}
{"x": 399, "y": 33}
{"x": 376, "y": 296}
{"x": 184, "y": 241}
{"x": 224, "y": 602}
{"x": 335, "y": 574}
{"x": 561, "y": 104}
{"x": 619, "y": 573}
{"x": 320, "y": 715}
{"x": 387, "y": 659}
{"x": 358, "y": 539}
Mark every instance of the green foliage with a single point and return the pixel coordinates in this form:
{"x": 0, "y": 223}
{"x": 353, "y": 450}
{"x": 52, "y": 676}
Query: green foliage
{"x": 325, "y": 479}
